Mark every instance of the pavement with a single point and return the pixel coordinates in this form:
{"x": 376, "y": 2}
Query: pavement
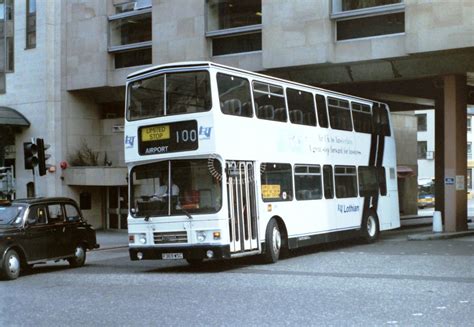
{"x": 111, "y": 239}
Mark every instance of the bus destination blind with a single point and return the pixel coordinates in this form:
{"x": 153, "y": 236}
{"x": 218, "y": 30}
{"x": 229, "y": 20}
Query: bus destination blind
{"x": 166, "y": 138}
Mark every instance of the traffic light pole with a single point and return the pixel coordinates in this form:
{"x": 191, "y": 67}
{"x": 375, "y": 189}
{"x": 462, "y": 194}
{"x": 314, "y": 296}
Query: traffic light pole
{"x": 34, "y": 182}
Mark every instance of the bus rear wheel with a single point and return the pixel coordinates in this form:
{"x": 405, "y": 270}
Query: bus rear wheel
{"x": 370, "y": 228}
{"x": 272, "y": 242}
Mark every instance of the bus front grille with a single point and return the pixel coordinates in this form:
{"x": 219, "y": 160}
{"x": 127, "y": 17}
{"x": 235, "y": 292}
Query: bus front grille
{"x": 170, "y": 237}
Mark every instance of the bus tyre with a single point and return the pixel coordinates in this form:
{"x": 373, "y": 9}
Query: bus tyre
{"x": 370, "y": 228}
{"x": 272, "y": 242}
{"x": 79, "y": 258}
{"x": 10, "y": 267}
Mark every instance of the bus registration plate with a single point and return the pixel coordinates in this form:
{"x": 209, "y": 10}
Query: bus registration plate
{"x": 156, "y": 133}
{"x": 171, "y": 256}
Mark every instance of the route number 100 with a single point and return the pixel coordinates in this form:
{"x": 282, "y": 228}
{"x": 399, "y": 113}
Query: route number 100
{"x": 184, "y": 136}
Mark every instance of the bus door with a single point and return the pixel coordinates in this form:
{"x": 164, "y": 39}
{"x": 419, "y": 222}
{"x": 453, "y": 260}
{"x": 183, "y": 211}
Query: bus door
{"x": 242, "y": 206}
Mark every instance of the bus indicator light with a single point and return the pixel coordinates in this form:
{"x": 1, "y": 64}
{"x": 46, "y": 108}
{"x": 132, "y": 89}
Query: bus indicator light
{"x": 269, "y": 208}
{"x": 217, "y": 235}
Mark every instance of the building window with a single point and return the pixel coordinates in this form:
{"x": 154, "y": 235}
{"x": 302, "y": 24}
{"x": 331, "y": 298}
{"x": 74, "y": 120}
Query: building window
{"x": 469, "y": 178}
{"x": 132, "y": 58}
{"x": 358, "y": 18}
{"x": 422, "y": 149}
{"x": 421, "y": 119}
{"x": 235, "y": 26}
{"x": 236, "y": 44}
{"x": 469, "y": 150}
{"x": 30, "y": 24}
{"x": 6, "y": 35}
{"x": 130, "y": 34}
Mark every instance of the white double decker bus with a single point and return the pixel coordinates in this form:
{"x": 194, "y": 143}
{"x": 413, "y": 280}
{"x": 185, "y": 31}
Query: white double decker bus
{"x": 226, "y": 163}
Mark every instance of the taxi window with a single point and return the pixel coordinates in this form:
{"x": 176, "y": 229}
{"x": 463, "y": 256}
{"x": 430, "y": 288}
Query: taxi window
{"x": 72, "y": 214}
{"x": 37, "y": 214}
{"x": 55, "y": 213}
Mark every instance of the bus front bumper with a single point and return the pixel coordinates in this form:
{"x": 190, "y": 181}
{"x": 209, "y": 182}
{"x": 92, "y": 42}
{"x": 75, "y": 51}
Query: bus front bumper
{"x": 175, "y": 252}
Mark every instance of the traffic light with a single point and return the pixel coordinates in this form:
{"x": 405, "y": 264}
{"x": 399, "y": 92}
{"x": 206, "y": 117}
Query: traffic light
{"x": 42, "y": 156}
{"x": 31, "y": 155}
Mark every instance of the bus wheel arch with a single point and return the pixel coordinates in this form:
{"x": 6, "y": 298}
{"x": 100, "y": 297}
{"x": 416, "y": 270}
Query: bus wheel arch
{"x": 370, "y": 227}
{"x": 276, "y": 240}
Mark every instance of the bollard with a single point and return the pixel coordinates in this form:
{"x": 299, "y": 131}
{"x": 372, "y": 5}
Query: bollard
{"x": 437, "y": 222}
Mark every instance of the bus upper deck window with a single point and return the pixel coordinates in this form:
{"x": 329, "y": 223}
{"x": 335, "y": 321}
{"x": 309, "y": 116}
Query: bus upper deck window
{"x": 234, "y": 95}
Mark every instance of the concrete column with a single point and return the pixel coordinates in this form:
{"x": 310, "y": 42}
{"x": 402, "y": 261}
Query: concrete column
{"x": 439, "y": 152}
{"x": 455, "y": 153}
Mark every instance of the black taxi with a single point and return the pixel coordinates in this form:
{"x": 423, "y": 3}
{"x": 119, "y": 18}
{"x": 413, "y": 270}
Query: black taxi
{"x": 37, "y": 230}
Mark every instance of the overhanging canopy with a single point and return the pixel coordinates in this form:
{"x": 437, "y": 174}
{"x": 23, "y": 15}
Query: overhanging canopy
{"x": 11, "y": 117}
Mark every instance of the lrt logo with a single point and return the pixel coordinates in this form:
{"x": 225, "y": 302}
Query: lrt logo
{"x": 129, "y": 141}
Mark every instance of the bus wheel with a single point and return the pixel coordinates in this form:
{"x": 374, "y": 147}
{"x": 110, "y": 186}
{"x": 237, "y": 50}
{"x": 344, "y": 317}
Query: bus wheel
{"x": 272, "y": 242}
{"x": 370, "y": 228}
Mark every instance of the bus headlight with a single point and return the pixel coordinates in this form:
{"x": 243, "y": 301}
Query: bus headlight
{"x": 201, "y": 236}
{"x": 140, "y": 238}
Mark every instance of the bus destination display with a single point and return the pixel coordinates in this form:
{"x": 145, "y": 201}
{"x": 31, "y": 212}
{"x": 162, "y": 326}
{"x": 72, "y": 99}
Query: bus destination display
{"x": 165, "y": 138}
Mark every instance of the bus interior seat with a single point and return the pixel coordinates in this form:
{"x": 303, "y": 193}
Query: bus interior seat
{"x": 296, "y": 116}
{"x": 280, "y": 114}
{"x": 309, "y": 119}
{"x": 304, "y": 194}
{"x": 247, "y": 109}
{"x": 232, "y": 107}
{"x": 266, "y": 112}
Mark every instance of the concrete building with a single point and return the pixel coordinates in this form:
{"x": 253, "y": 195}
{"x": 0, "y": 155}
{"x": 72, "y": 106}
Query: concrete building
{"x": 426, "y": 146}
{"x": 65, "y": 63}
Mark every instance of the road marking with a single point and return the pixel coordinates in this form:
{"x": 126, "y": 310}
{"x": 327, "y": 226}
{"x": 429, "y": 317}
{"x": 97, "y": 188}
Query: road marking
{"x": 463, "y": 301}
{"x": 418, "y": 314}
{"x": 441, "y": 308}
{"x": 393, "y": 322}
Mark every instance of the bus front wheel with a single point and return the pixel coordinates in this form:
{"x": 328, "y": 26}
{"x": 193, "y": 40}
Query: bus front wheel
{"x": 370, "y": 228}
{"x": 272, "y": 242}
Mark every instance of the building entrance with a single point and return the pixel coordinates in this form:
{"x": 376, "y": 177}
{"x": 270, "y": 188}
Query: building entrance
{"x": 117, "y": 207}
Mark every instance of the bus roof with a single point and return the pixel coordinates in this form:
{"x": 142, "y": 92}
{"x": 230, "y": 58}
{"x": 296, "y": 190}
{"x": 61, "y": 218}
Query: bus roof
{"x": 209, "y": 64}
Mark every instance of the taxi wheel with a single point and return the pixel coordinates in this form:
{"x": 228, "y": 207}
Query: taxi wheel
{"x": 79, "y": 257}
{"x": 10, "y": 267}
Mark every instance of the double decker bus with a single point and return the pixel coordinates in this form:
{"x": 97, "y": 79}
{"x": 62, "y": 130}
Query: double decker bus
{"x": 225, "y": 163}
